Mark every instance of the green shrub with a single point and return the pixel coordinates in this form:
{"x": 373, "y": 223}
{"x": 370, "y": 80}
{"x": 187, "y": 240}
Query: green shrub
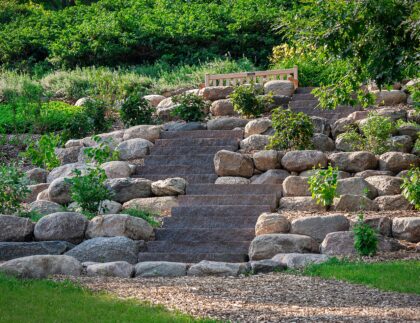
{"x": 98, "y": 111}
{"x": 13, "y": 189}
{"x": 411, "y": 187}
{"x": 246, "y": 101}
{"x": 323, "y": 185}
{"x": 190, "y": 107}
{"x": 42, "y": 152}
{"x": 292, "y": 130}
{"x": 89, "y": 190}
{"x": 144, "y": 214}
{"x": 32, "y": 215}
{"x": 377, "y": 130}
{"x": 136, "y": 111}
{"x": 356, "y": 141}
{"x": 102, "y": 152}
{"x": 365, "y": 238}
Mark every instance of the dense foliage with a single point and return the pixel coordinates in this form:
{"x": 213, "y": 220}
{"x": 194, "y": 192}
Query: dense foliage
{"x": 411, "y": 187}
{"x": 13, "y": 189}
{"x": 323, "y": 185}
{"x": 101, "y": 152}
{"x": 42, "y": 152}
{"x": 365, "y": 238}
{"x": 190, "y": 107}
{"x": 246, "y": 101}
{"x": 136, "y": 111}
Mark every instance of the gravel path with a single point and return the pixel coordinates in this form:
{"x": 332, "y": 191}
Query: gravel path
{"x": 275, "y": 297}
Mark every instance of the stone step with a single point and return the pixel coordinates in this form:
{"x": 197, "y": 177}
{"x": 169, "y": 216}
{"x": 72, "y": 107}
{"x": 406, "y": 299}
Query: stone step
{"x": 304, "y": 90}
{"x": 176, "y": 169}
{"x": 192, "y": 257}
{"x": 233, "y": 189}
{"x": 196, "y": 142}
{"x": 210, "y": 222}
{"x": 211, "y": 200}
{"x": 169, "y": 160}
{"x": 303, "y": 104}
{"x": 188, "y": 150}
{"x": 194, "y": 247}
{"x": 222, "y": 211}
{"x": 332, "y": 115}
{"x": 235, "y": 134}
{"x": 218, "y": 235}
{"x": 303, "y": 96}
{"x": 190, "y": 178}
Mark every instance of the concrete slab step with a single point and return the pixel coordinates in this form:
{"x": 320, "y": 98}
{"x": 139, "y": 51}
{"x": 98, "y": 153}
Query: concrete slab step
{"x": 169, "y": 160}
{"x": 210, "y": 222}
{"x": 195, "y": 247}
{"x": 211, "y": 200}
{"x": 304, "y": 90}
{"x": 218, "y": 235}
{"x": 175, "y": 169}
{"x": 222, "y": 211}
{"x": 303, "y": 104}
{"x": 233, "y": 189}
{"x": 188, "y": 150}
{"x": 196, "y": 142}
{"x": 237, "y": 134}
{"x": 303, "y": 96}
{"x": 190, "y": 178}
{"x": 192, "y": 257}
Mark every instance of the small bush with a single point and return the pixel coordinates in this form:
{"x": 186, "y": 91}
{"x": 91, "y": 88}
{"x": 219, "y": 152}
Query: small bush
{"x": 146, "y": 215}
{"x": 365, "y": 238}
{"x": 101, "y": 153}
{"x": 136, "y": 111}
{"x": 411, "y": 187}
{"x": 246, "y": 101}
{"x": 355, "y": 140}
{"x": 42, "y": 153}
{"x": 13, "y": 189}
{"x": 89, "y": 190}
{"x": 292, "y": 130}
{"x": 32, "y": 215}
{"x": 98, "y": 111}
{"x": 190, "y": 107}
{"x": 323, "y": 185}
{"x": 377, "y": 130}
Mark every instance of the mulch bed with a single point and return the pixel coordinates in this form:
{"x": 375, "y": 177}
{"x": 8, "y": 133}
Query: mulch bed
{"x": 277, "y": 297}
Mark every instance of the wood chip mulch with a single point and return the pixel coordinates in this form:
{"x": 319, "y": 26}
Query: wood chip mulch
{"x": 277, "y": 297}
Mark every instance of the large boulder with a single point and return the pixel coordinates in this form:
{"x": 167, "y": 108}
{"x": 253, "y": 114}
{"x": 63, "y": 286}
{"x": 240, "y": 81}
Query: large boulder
{"x": 37, "y": 175}
{"x": 126, "y": 189}
{"x": 342, "y": 244}
{"x": 341, "y": 126}
{"x": 299, "y": 260}
{"x": 120, "y": 269}
{"x": 402, "y": 144}
{"x": 265, "y": 266}
{"x": 406, "y": 228}
{"x": 107, "y": 250}
{"x": 300, "y": 160}
{"x": 184, "y": 126}
{"x": 34, "y": 190}
{"x": 381, "y": 224}
{"x": 368, "y": 173}
{"x": 300, "y": 203}
{"x": 154, "y": 99}
{"x": 226, "y": 123}
{"x": 169, "y": 186}
{"x": 228, "y": 163}
{"x": 159, "y": 205}
{"x": 116, "y": 169}
{"x": 354, "y": 203}
{"x": 386, "y": 185}
{"x": 65, "y": 226}
{"x": 321, "y": 125}
{"x": 272, "y": 176}
{"x": 222, "y": 107}
{"x": 392, "y": 203}
{"x": 214, "y": 268}
{"x": 14, "y": 228}
{"x": 232, "y": 180}
{"x": 59, "y": 191}
{"x": 257, "y": 126}
{"x": 45, "y": 207}
{"x": 279, "y": 87}
{"x": 134, "y": 148}
{"x": 267, "y": 159}
{"x": 322, "y": 142}
{"x": 342, "y": 143}
{"x": 42, "y": 266}
{"x": 68, "y": 155}
{"x": 311, "y": 172}
{"x": 254, "y": 142}
{"x": 65, "y": 171}
{"x": 318, "y": 227}
{"x": 109, "y": 207}
{"x": 74, "y": 143}
{"x": 396, "y": 161}
{"x": 150, "y": 133}
{"x": 390, "y": 98}
{"x": 271, "y": 223}
{"x": 409, "y": 129}
{"x": 354, "y": 162}
{"x": 13, "y": 250}
{"x": 160, "y": 269}
{"x": 296, "y": 186}
{"x": 356, "y": 186}
{"x": 213, "y": 93}
{"x": 269, "y": 245}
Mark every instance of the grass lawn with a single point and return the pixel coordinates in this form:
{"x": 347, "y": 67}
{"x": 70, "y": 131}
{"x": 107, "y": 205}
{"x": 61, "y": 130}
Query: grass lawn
{"x": 46, "y": 301}
{"x": 398, "y": 276}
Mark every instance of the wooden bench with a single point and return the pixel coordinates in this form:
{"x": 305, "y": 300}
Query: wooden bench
{"x": 261, "y": 77}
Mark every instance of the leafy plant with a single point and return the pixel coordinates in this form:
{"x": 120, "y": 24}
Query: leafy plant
{"x": 354, "y": 139}
{"x": 292, "y": 130}
{"x": 32, "y": 215}
{"x": 365, "y": 237}
{"x": 411, "y": 187}
{"x": 42, "y": 153}
{"x": 246, "y": 101}
{"x": 99, "y": 115}
{"x": 323, "y": 185}
{"x": 136, "y": 110}
{"x": 146, "y": 215}
{"x": 377, "y": 130}
{"x": 101, "y": 153}
{"x": 190, "y": 107}
{"x": 89, "y": 191}
{"x": 13, "y": 189}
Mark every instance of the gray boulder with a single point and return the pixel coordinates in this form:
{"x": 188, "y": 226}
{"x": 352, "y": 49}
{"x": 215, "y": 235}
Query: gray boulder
{"x": 68, "y": 155}
{"x": 226, "y": 123}
{"x": 318, "y": 227}
{"x": 214, "y": 268}
{"x": 160, "y": 269}
{"x": 34, "y": 190}
{"x": 300, "y": 160}
{"x": 322, "y": 142}
{"x": 232, "y": 180}
{"x": 12, "y": 250}
{"x": 267, "y": 159}
{"x": 406, "y": 229}
{"x": 228, "y": 163}
{"x": 37, "y": 175}
{"x": 154, "y": 99}
{"x": 65, "y": 171}
{"x": 296, "y": 186}
{"x": 356, "y": 186}
{"x": 279, "y": 87}
{"x": 134, "y": 149}
{"x": 392, "y": 203}
{"x": 354, "y": 162}
{"x": 116, "y": 169}
{"x": 321, "y": 125}
{"x": 299, "y": 260}
{"x": 272, "y": 176}
{"x": 368, "y": 173}
{"x": 254, "y": 142}
{"x": 184, "y": 126}
{"x": 382, "y": 224}
{"x": 354, "y": 203}
{"x": 170, "y": 186}
{"x": 159, "y": 205}
{"x": 59, "y": 191}
{"x": 222, "y": 107}
{"x": 386, "y": 185}
{"x": 300, "y": 203}
{"x": 120, "y": 269}
{"x": 213, "y": 93}
{"x": 147, "y": 132}
{"x": 109, "y": 207}
{"x": 45, "y": 207}
{"x": 14, "y": 228}
{"x": 268, "y": 223}
{"x": 257, "y": 126}
{"x": 265, "y": 266}
{"x": 126, "y": 189}
{"x": 396, "y": 162}
{"x": 402, "y": 144}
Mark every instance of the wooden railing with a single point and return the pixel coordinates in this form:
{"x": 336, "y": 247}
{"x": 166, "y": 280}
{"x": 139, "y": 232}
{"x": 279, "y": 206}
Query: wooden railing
{"x": 261, "y": 77}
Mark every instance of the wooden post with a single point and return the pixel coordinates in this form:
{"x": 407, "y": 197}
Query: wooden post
{"x": 207, "y": 80}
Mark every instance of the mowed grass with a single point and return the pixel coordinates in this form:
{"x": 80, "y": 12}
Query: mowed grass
{"x": 46, "y": 301}
{"x": 398, "y": 276}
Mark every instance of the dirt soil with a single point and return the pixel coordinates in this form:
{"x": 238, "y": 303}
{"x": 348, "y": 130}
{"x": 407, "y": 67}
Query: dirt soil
{"x": 277, "y": 297}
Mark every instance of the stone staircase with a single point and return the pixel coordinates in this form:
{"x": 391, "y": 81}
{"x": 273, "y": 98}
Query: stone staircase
{"x": 212, "y": 222}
